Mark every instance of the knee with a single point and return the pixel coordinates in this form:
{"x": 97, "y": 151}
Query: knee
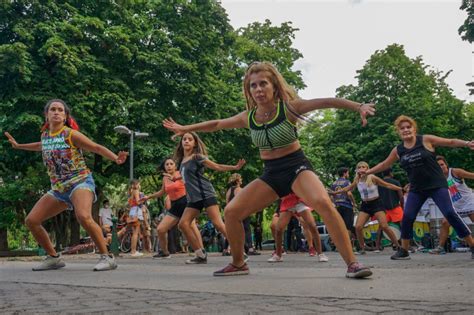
{"x": 324, "y": 205}
{"x": 183, "y": 226}
{"x": 359, "y": 227}
{"x": 231, "y": 213}
{"x": 31, "y": 223}
{"x": 84, "y": 219}
{"x": 384, "y": 226}
{"x": 160, "y": 230}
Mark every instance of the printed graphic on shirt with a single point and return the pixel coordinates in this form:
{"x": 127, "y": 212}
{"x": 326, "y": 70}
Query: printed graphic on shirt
{"x": 453, "y": 191}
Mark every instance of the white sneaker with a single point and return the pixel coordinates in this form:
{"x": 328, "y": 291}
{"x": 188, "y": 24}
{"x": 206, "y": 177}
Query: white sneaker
{"x": 105, "y": 263}
{"x": 50, "y": 263}
{"x": 136, "y": 254}
{"x": 323, "y": 258}
{"x": 274, "y": 259}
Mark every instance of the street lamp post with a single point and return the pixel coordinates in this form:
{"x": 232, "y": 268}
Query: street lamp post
{"x": 133, "y": 134}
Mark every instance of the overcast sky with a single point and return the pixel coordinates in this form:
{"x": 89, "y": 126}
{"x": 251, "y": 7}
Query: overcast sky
{"x": 337, "y": 37}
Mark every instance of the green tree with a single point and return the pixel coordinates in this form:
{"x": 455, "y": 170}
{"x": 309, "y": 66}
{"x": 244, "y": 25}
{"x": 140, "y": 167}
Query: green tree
{"x": 467, "y": 29}
{"x": 127, "y": 63}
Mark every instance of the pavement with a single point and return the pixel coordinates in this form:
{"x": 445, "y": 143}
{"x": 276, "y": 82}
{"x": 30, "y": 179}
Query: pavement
{"x": 299, "y": 285}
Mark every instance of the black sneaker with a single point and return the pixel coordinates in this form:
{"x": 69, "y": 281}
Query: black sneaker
{"x": 401, "y": 254}
{"x": 161, "y": 255}
{"x": 197, "y": 260}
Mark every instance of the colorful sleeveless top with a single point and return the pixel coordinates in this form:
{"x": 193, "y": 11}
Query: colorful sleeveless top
{"x": 175, "y": 189}
{"x": 64, "y": 162}
{"x": 276, "y": 133}
{"x": 462, "y": 195}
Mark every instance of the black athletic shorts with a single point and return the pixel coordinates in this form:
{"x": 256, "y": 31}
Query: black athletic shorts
{"x": 202, "y": 204}
{"x": 372, "y": 207}
{"x": 177, "y": 207}
{"x": 280, "y": 173}
{"x": 347, "y": 215}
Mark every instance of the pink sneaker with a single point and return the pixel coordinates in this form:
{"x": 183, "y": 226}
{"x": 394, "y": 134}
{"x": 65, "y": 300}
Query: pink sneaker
{"x": 231, "y": 270}
{"x": 312, "y": 251}
{"x": 358, "y": 271}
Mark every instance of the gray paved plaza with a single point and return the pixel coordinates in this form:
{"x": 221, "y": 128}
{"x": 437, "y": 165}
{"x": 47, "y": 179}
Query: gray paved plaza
{"x": 425, "y": 284}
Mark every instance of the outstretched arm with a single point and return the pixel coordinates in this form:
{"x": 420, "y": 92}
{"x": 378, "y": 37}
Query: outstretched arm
{"x": 222, "y": 167}
{"x": 157, "y": 194}
{"x": 436, "y": 141}
{"x": 381, "y": 182}
{"x": 34, "y": 146}
{"x": 305, "y": 106}
{"x": 81, "y": 141}
{"x": 461, "y": 173}
{"x": 347, "y": 188}
{"x": 237, "y": 121}
{"x": 382, "y": 166}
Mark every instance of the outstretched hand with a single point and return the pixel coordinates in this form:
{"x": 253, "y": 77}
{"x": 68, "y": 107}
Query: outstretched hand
{"x": 240, "y": 164}
{"x": 172, "y": 126}
{"x": 470, "y": 144}
{"x": 121, "y": 157}
{"x": 11, "y": 140}
{"x": 365, "y": 110}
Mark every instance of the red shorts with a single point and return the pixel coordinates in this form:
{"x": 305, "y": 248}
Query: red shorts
{"x": 395, "y": 214}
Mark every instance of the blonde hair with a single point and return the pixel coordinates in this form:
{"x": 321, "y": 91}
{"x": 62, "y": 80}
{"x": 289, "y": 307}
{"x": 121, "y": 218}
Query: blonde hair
{"x": 199, "y": 148}
{"x": 234, "y": 178}
{"x": 402, "y": 118}
{"x": 283, "y": 91}
{"x": 368, "y": 179}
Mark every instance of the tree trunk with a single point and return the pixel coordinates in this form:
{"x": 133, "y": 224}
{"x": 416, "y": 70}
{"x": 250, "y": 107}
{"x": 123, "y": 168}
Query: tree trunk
{"x": 3, "y": 239}
{"x": 75, "y": 231}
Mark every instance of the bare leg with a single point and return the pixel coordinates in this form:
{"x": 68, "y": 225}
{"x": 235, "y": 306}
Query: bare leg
{"x": 313, "y": 231}
{"x": 47, "y": 207}
{"x": 133, "y": 242}
{"x": 255, "y": 196}
{"x": 185, "y": 225}
{"x": 309, "y": 188}
{"x": 197, "y": 233}
{"x": 380, "y": 215}
{"x": 82, "y": 201}
{"x": 361, "y": 220}
{"x": 214, "y": 214}
{"x": 283, "y": 221}
{"x": 165, "y": 225}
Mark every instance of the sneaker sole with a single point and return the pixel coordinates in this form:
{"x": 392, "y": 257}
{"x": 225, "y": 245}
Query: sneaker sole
{"x": 401, "y": 258}
{"x": 233, "y": 273}
{"x": 359, "y": 275}
{"x": 53, "y": 268}
{"x": 111, "y": 268}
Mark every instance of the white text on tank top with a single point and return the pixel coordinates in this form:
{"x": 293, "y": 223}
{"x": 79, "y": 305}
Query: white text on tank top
{"x": 461, "y": 195}
{"x": 367, "y": 192}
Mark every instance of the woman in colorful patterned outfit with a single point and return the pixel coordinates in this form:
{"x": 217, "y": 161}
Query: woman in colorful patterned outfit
{"x": 191, "y": 156}
{"x": 72, "y": 185}
{"x": 371, "y": 203}
{"x": 417, "y": 158}
{"x": 273, "y": 109}
{"x": 173, "y": 186}
{"x": 462, "y": 197}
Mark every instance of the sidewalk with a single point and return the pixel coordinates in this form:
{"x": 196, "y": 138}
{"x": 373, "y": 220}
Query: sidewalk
{"x": 426, "y": 284}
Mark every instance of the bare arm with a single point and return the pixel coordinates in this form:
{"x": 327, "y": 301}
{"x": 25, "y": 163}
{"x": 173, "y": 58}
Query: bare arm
{"x": 382, "y": 166}
{"x": 81, "y": 141}
{"x": 237, "y": 121}
{"x": 222, "y": 167}
{"x": 460, "y": 173}
{"x": 351, "y": 198}
{"x": 157, "y": 194}
{"x": 34, "y": 146}
{"x": 305, "y": 106}
{"x": 435, "y": 141}
{"x": 381, "y": 182}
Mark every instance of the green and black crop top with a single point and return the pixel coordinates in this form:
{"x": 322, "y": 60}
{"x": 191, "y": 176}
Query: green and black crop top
{"x": 277, "y": 133}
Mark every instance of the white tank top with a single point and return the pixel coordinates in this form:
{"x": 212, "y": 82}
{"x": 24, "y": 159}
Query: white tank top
{"x": 368, "y": 192}
{"x": 461, "y": 195}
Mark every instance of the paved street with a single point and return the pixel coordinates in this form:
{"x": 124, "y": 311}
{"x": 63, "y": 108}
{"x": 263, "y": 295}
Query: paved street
{"x": 425, "y": 284}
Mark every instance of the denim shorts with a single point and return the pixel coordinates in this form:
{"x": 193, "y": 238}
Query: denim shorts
{"x": 87, "y": 183}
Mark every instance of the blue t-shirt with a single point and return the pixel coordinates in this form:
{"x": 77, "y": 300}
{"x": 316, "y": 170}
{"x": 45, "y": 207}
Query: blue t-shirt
{"x": 341, "y": 200}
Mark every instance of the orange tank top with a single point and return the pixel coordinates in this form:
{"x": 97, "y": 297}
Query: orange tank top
{"x": 175, "y": 189}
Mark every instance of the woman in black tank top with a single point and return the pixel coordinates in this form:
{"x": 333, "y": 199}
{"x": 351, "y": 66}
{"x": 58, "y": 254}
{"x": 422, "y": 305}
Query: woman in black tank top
{"x": 417, "y": 158}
